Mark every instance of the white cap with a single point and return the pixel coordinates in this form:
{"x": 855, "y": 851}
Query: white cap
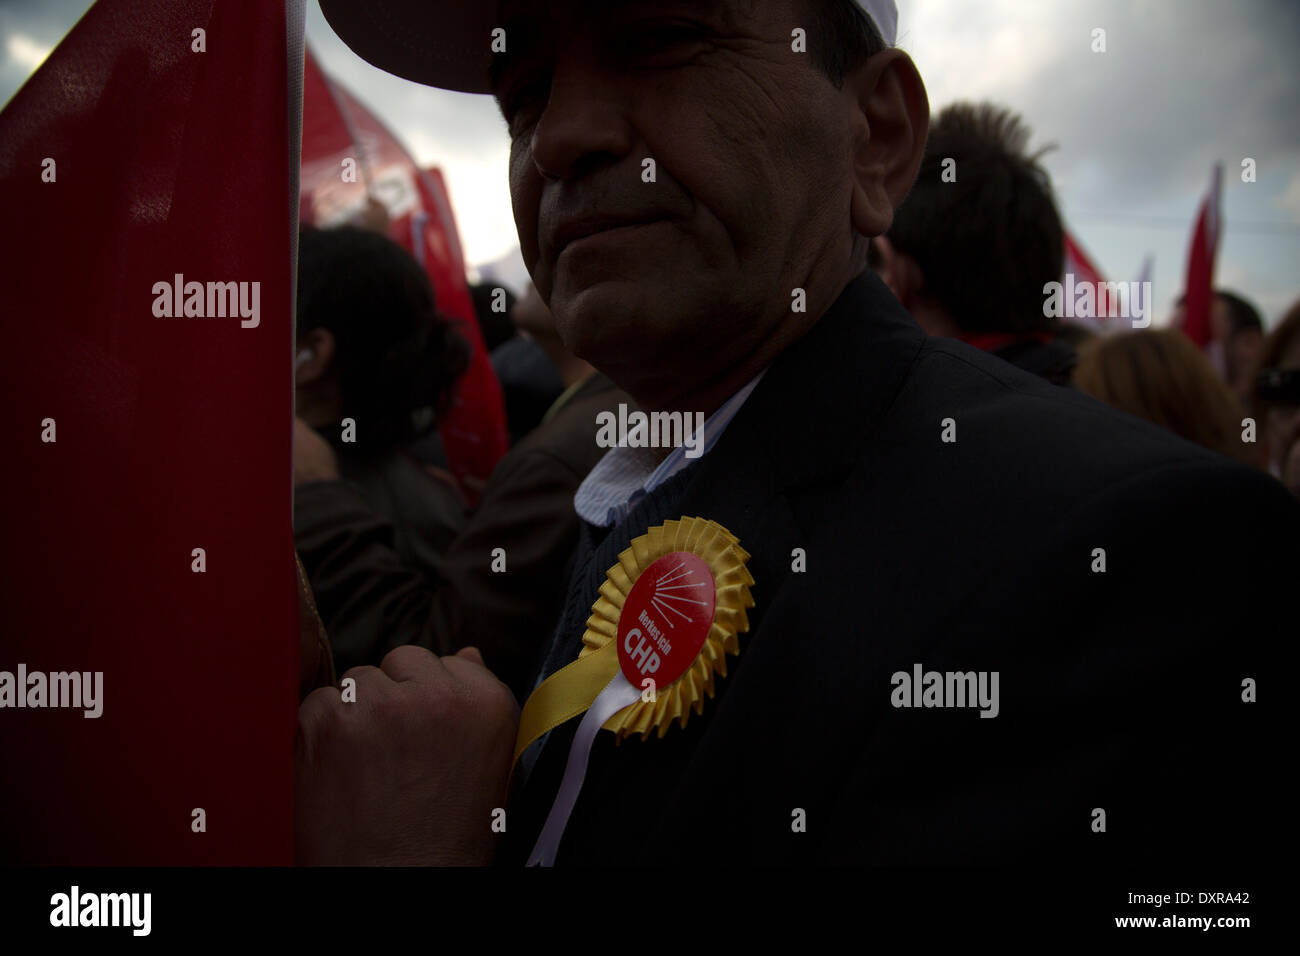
{"x": 446, "y": 43}
{"x": 884, "y": 14}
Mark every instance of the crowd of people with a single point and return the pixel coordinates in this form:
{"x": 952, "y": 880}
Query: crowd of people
{"x": 925, "y": 436}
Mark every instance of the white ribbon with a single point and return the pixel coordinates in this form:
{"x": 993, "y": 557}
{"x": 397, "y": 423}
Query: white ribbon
{"x": 618, "y": 693}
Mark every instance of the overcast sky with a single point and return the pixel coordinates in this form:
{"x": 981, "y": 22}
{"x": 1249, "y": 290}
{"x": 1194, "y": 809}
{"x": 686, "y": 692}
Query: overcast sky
{"x": 1182, "y": 84}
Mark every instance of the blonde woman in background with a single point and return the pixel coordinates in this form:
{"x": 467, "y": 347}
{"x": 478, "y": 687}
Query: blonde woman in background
{"x": 1161, "y": 376}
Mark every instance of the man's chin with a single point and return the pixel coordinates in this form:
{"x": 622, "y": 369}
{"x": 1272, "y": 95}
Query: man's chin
{"x": 611, "y": 322}
{"x": 590, "y": 327}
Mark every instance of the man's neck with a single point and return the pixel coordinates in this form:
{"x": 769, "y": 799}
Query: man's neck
{"x": 709, "y": 395}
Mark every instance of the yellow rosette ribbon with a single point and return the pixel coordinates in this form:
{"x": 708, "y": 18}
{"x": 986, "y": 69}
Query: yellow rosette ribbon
{"x": 666, "y": 617}
{"x": 571, "y": 690}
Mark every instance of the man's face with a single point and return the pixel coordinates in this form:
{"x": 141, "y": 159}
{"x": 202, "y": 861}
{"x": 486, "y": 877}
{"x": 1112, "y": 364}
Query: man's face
{"x": 682, "y": 277}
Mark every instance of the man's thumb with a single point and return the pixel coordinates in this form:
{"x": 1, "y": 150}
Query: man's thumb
{"x": 471, "y": 654}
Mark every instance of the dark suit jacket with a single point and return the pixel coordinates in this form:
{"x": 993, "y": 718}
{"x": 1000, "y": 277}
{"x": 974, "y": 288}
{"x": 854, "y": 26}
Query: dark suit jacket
{"x": 1119, "y": 691}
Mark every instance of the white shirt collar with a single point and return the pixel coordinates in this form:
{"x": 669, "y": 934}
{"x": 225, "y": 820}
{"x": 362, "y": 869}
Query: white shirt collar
{"x": 626, "y": 474}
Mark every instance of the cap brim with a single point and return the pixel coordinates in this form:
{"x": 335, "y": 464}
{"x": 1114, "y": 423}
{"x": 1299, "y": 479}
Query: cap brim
{"x": 446, "y": 44}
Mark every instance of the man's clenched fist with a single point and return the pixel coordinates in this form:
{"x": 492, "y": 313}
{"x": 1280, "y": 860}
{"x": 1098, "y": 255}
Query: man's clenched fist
{"x": 411, "y": 772}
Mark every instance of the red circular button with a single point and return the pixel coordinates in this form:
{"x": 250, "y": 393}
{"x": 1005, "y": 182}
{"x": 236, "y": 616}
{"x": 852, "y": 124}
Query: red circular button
{"x": 666, "y": 619}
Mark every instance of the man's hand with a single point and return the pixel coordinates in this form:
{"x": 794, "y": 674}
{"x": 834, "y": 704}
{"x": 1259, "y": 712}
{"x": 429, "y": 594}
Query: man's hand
{"x": 410, "y": 773}
{"x": 313, "y": 458}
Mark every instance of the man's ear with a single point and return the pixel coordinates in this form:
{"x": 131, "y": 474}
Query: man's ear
{"x": 314, "y": 357}
{"x": 891, "y": 144}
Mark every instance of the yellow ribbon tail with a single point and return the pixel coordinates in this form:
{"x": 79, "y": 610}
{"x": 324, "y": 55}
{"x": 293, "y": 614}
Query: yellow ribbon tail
{"x": 565, "y": 694}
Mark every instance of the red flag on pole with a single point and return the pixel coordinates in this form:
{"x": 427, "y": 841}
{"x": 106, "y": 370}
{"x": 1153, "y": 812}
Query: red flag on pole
{"x": 147, "y": 192}
{"x": 1199, "y": 292}
{"x": 338, "y": 129}
{"x": 1079, "y": 269}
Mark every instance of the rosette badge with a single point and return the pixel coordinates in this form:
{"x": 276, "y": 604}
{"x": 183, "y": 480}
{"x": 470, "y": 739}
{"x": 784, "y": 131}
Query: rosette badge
{"x": 665, "y": 619}
{"x": 673, "y": 609}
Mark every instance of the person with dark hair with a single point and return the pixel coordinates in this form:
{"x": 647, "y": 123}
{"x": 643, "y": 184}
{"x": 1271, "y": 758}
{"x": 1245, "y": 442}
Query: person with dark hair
{"x": 531, "y": 366}
{"x": 492, "y": 305}
{"x": 978, "y": 237}
{"x": 1241, "y": 331}
{"x": 373, "y": 371}
{"x": 371, "y": 346}
{"x": 1275, "y": 400}
{"x": 774, "y": 641}
{"x": 1159, "y": 375}
{"x": 1236, "y": 337}
{"x": 525, "y": 517}
{"x": 1075, "y": 334}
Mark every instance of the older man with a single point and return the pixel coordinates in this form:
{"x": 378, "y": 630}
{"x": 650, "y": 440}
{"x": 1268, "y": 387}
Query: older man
{"x": 955, "y": 615}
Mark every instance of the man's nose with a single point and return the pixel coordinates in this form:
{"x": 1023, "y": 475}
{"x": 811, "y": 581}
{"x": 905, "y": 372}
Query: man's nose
{"x": 585, "y": 121}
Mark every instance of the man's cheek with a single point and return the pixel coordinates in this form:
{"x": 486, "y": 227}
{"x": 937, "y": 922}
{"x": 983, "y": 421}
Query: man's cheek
{"x": 525, "y": 193}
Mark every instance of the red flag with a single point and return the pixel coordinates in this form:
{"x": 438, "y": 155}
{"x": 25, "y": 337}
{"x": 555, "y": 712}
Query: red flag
{"x": 145, "y": 192}
{"x": 1078, "y": 265}
{"x": 337, "y": 128}
{"x": 1199, "y": 293}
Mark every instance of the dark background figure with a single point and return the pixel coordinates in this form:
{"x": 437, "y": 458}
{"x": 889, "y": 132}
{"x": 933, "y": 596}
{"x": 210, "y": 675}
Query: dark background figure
{"x": 1161, "y": 376}
{"x": 969, "y": 257}
{"x": 494, "y": 325}
{"x": 530, "y": 365}
{"x": 371, "y": 349}
{"x": 1275, "y": 402}
{"x": 1237, "y": 336}
{"x": 1243, "y": 341}
{"x": 501, "y": 584}
{"x": 492, "y": 305}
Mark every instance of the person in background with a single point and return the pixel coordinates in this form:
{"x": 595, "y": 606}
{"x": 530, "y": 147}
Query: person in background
{"x": 501, "y": 583}
{"x": 527, "y": 511}
{"x": 492, "y": 305}
{"x": 1237, "y": 336}
{"x": 530, "y": 366}
{"x": 1243, "y": 342}
{"x": 493, "y": 322}
{"x": 534, "y": 319}
{"x": 972, "y": 246}
{"x": 1161, "y": 376}
{"x": 1275, "y": 401}
{"x": 374, "y": 369}
{"x": 1074, "y": 334}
